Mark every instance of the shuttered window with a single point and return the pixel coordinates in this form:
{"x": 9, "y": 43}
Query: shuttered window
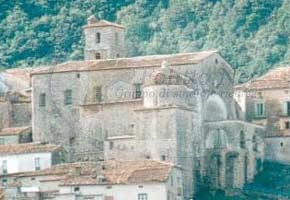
{"x": 260, "y": 109}
{"x": 98, "y": 93}
{"x": 68, "y": 97}
{"x": 42, "y": 100}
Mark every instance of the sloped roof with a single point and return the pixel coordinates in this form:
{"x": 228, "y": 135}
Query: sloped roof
{"x": 274, "y": 79}
{"x": 103, "y": 23}
{"x": 114, "y": 172}
{"x": 16, "y": 80}
{"x": 125, "y": 63}
{"x": 27, "y": 148}
{"x": 14, "y": 130}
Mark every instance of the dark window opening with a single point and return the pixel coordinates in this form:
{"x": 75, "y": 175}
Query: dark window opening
{"x": 4, "y": 166}
{"x": 78, "y": 75}
{"x": 4, "y": 182}
{"x": 98, "y": 93}
{"x": 98, "y": 38}
{"x": 71, "y": 141}
{"x": 216, "y": 61}
{"x": 163, "y": 158}
{"x": 281, "y": 144}
{"x": 242, "y": 140}
{"x": 288, "y": 108}
{"x": 287, "y": 125}
{"x": 255, "y": 144}
{"x": 68, "y": 97}
{"x": 111, "y": 145}
{"x": 76, "y": 189}
{"x": 142, "y": 196}
{"x": 138, "y": 91}
{"x": 97, "y": 56}
{"x": 42, "y": 98}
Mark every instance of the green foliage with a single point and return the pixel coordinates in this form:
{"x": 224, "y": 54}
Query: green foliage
{"x": 253, "y": 36}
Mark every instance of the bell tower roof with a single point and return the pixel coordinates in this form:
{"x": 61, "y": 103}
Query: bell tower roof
{"x": 93, "y": 22}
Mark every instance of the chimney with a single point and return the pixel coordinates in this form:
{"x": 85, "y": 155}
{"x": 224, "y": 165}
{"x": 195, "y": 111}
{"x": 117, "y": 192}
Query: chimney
{"x": 75, "y": 171}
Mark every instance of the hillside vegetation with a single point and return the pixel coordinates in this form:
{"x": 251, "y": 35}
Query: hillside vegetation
{"x": 253, "y": 35}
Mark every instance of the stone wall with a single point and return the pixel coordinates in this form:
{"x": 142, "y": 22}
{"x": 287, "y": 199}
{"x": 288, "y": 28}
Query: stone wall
{"x": 109, "y": 46}
{"x": 277, "y": 149}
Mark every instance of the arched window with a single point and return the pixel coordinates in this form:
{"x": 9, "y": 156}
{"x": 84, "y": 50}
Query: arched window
{"x": 98, "y": 37}
{"x": 242, "y": 140}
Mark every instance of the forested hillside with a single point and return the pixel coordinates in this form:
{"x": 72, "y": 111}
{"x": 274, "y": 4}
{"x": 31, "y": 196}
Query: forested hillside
{"x": 253, "y": 35}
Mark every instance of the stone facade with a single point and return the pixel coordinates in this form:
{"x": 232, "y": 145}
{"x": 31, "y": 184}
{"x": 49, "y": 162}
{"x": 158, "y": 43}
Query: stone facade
{"x": 103, "y": 40}
{"x": 175, "y": 108}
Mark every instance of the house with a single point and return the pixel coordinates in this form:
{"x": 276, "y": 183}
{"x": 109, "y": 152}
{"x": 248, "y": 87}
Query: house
{"x": 266, "y": 101}
{"x": 16, "y": 158}
{"x": 110, "y": 180}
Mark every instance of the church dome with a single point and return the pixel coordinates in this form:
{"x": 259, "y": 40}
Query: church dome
{"x": 164, "y": 76}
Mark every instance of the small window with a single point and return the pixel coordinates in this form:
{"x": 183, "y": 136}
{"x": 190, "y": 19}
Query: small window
{"x": 42, "y": 100}
{"x": 163, "y": 158}
{"x": 142, "y": 196}
{"x": 111, "y": 145}
{"x": 260, "y": 109}
{"x": 138, "y": 91}
{"x": 116, "y": 38}
{"x": 98, "y": 38}
{"x": 68, "y": 97}
{"x": 2, "y": 141}
{"x": 4, "y": 166}
{"x": 255, "y": 144}
{"x": 76, "y": 189}
{"x": 71, "y": 141}
{"x": 172, "y": 181}
{"x": 37, "y": 163}
{"x": 287, "y": 125}
{"x": 281, "y": 144}
{"x": 98, "y": 56}
{"x": 4, "y": 182}
{"x": 98, "y": 92}
{"x": 242, "y": 140}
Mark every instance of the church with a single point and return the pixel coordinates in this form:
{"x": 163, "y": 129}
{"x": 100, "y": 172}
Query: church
{"x": 175, "y": 108}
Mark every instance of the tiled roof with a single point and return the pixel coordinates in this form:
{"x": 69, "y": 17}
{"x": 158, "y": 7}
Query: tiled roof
{"x": 113, "y": 172}
{"x": 63, "y": 169}
{"x": 14, "y": 130}
{"x": 125, "y": 172}
{"x": 103, "y": 23}
{"x": 121, "y": 63}
{"x": 27, "y": 148}
{"x": 17, "y": 79}
{"x": 274, "y": 79}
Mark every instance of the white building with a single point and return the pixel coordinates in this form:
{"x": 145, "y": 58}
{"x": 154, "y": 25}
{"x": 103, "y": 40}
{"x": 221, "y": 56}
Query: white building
{"x": 15, "y": 158}
{"x": 111, "y": 180}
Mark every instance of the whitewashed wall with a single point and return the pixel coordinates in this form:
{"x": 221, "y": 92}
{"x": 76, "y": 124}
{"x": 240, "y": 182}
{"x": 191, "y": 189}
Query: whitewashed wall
{"x": 25, "y": 162}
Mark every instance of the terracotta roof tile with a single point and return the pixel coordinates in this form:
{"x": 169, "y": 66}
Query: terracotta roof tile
{"x": 14, "y": 130}
{"x": 27, "y": 148}
{"x": 274, "y": 79}
{"x": 103, "y": 23}
{"x": 135, "y": 62}
{"x": 113, "y": 172}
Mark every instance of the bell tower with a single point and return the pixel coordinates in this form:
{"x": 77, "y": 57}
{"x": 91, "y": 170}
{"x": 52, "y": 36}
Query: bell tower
{"x": 103, "y": 39}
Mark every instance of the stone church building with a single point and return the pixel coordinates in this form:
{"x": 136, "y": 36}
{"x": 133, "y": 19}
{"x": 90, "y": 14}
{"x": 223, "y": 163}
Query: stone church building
{"x": 176, "y": 108}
